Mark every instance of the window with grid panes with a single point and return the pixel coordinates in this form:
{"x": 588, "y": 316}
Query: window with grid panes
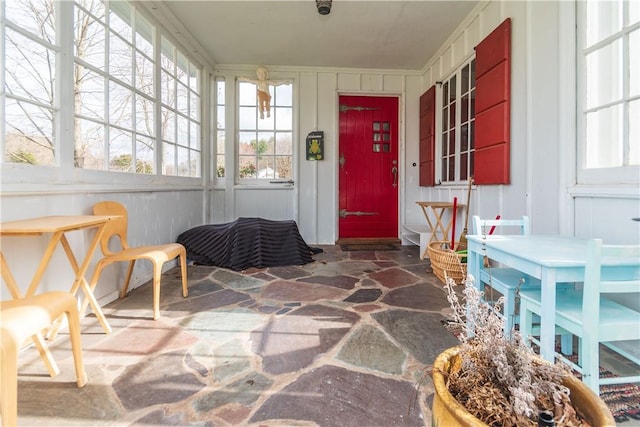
{"x": 609, "y": 91}
{"x": 112, "y": 92}
{"x": 220, "y": 127}
{"x": 265, "y": 145}
{"x": 457, "y": 124}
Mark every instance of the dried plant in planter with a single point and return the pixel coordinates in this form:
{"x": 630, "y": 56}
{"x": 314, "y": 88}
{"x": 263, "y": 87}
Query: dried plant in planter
{"x": 501, "y": 381}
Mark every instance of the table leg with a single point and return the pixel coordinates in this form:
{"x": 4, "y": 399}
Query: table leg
{"x": 44, "y": 262}
{"x": 548, "y": 314}
{"x": 439, "y": 212}
{"x": 80, "y": 280}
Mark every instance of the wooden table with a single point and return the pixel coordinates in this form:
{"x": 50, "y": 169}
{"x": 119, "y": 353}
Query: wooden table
{"x": 57, "y": 226}
{"x": 433, "y": 213}
{"x": 552, "y": 259}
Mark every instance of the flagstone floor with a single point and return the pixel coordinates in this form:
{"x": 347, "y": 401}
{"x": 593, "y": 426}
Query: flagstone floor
{"x": 343, "y": 341}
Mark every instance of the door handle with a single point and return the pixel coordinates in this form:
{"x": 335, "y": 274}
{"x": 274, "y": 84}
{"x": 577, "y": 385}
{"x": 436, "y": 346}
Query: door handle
{"x": 394, "y": 171}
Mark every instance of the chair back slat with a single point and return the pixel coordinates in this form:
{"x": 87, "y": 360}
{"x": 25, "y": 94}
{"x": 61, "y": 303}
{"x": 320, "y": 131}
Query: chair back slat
{"x": 483, "y": 226}
{"x": 116, "y": 227}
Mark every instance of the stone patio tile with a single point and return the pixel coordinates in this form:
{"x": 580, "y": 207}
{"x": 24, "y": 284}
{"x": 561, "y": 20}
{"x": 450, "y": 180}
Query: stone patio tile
{"x": 291, "y": 342}
{"x": 223, "y": 325}
{"x": 333, "y": 396}
{"x": 369, "y": 347}
{"x": 341, "y": 281}
{"x": 364, "y": 295}
{"x": 142, "y": 337}
{"x": 235, "y": 280}
{"x": 287, "y": 272}
{"x": 202, "y": 287}
{"x": 244, "y": 391}
{"x": 422, "y": 296}
{"x": 159, "y": 379}
{"x": 366, "y": 308}
{"x": 283, "y": 290}
{"x": 210, "y": 301}
{"x": 347, "y": 268}
{"x": 393, "y": 277}
{"x": 420, "y": 333}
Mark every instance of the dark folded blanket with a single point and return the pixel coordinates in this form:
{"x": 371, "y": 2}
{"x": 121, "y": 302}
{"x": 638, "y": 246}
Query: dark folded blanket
{"x": 247, "y": 242}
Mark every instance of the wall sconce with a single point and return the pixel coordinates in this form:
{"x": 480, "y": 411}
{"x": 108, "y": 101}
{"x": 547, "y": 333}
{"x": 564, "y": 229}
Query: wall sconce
{"x": 324, "y": 6}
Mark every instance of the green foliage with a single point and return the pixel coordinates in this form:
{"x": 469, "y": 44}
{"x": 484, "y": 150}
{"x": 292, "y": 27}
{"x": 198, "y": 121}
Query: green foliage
{"x": 21, "y": 156}
{"x": 123, "y": 163}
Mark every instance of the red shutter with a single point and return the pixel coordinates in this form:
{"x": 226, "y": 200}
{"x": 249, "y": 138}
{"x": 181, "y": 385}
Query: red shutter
{"x": 493, "y": 107}
{"x": 427, "y": 137}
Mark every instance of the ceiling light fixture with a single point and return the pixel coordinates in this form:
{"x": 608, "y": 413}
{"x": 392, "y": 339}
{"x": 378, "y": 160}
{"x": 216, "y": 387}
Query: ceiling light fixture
{"x": 324, "y": 6}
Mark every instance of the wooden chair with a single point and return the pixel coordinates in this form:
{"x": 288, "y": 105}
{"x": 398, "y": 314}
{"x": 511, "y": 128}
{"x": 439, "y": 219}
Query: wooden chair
{"x": 21, "y": 319}
{"x": 157, "y": 254}
{"x": 591, "y": 315}
{"x": 506, "y": 280}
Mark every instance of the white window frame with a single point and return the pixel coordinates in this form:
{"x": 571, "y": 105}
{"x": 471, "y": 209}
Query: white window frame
{"x": 272, "y": 88}
{"x": 625, "y": 173}
{"x": 439, "y": 172}
{"x": 20, "y": 178}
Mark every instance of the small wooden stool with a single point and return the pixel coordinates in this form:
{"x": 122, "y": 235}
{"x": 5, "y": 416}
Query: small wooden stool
{"x": 21, "y": 319}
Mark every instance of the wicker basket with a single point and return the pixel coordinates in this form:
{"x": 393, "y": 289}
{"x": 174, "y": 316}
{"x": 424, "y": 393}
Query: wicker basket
{"x": 446, "y": 260}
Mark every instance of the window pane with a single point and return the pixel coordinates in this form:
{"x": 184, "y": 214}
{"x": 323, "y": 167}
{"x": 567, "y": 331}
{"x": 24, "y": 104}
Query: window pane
{"x": 194, "y": 106}
{"x": 634, "y": 12}
{"x": 464, "y": 79}
{"x": 32, "y": 19}
{"x": 120, "y": 106}
{"x": 634, "y": 132}
{"x": 90, "y": 90}
{"x": 604, "y": 18}
{"x": 604, "y": 76}
{"x": 168, "y": 159}
{"x": 120, "y": 19}
{"x": 247, "y": 93}
{"x": 145, "y": 119}
{"x": 265, "y": 145}
{"x": 167, "y": 85}
{"x": 634, "y": 63}
{"x": 89, "y": 38}
{"x": 29, "y": 66}
{"x": 120, "y": 151}
{"x": 183, "y": 130}
{"x": 29, "y": 134}
{"x": 284, "y": 95}
{"x": 247, "y": 166}
{"x": 283, "y": 167}
{"x": 144, "y": 74}
{"x": 248, "y": 118}
{"x": 194, "y": 136}
{"x": 247, "y": 143}
{"x": 144, "y": 155}
{"x": 90, "y": 145}
{"x": 604, "y": 138}
{"x": 182, "y": 100}
{"x": 168, "y": 125}
{"x": 144, "y": 36}
{"x": 284, "y": 118}
{"x": 284, "y": 144}
{"x": 183, "y": 161}
{"x": 120, "y": 57}
{"x": 220, "y": 117}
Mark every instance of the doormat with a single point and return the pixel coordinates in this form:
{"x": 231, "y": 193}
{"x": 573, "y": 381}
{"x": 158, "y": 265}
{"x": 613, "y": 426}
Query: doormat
{"x": 369, "y": 247}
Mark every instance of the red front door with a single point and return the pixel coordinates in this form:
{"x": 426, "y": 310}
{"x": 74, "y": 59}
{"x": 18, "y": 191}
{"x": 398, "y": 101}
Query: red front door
{"x": 368, "y": 167}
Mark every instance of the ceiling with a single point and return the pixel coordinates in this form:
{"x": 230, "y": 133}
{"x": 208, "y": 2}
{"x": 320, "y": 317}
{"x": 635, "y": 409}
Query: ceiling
{"x": 394, "y": 34}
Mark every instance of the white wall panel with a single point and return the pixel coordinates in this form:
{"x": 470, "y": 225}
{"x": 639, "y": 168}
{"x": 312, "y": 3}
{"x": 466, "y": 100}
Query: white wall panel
{"x": 372, "y": 82}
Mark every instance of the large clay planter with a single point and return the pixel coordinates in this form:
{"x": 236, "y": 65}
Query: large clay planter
{"x": 446, "y": 411}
